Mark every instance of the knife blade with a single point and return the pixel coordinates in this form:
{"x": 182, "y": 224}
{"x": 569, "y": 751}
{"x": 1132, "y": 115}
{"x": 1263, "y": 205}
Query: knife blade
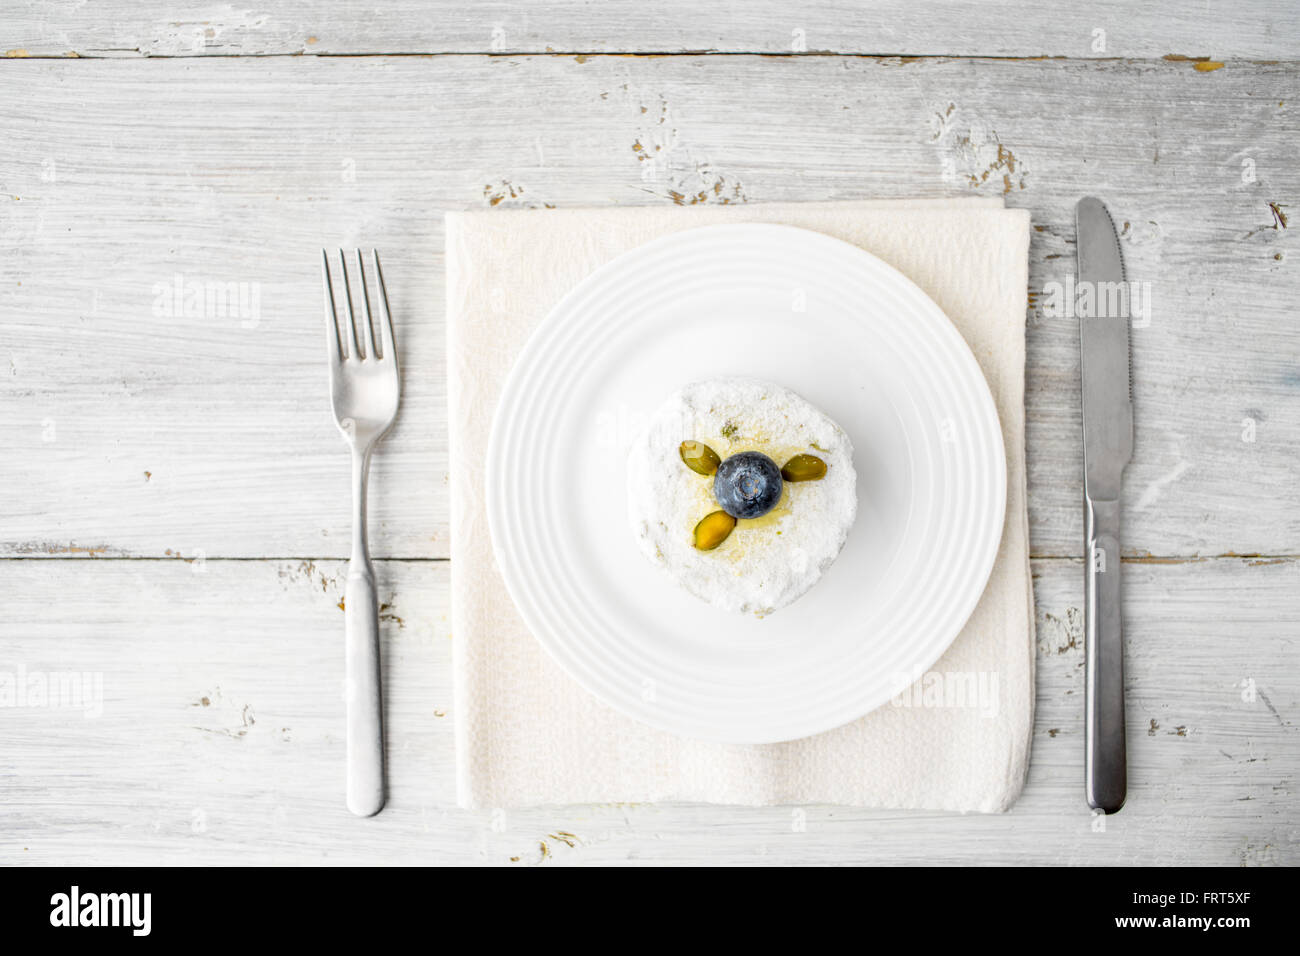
{"x": 1107, "y": 386}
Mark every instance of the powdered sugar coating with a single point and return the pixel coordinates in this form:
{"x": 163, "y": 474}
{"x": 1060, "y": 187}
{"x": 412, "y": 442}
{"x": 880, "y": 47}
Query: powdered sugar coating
{"x": 766, "y": 563}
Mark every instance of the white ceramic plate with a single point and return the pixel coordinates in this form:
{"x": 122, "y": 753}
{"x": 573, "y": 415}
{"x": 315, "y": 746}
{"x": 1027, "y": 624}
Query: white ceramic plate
{"x": 853, "y": 336}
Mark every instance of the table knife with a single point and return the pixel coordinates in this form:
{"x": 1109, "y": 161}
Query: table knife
{"x": 1106, "y": 368}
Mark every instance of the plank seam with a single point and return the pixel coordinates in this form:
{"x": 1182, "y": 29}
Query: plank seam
{"x": 902, "y": 58}
{"x": 1254, "y": 559}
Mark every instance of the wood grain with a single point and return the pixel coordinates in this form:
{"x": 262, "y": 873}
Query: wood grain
{"x": 1265, "y": 29}
{"x": 137, "y": 429}
{"x": 221, "y": 733}
{"x": 193, "y": 445}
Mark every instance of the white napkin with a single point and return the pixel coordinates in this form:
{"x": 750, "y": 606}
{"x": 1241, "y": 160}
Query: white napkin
{"x": 528, "y": 734}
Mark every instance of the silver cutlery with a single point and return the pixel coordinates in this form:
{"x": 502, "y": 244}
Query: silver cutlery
{"x": 364, "y": 392}
{"x": 1106, "y": 364}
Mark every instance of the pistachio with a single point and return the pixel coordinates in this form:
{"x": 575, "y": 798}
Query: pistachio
{"x": 713, "y": 530}
{"x": 699, "y": 457}
{"x": 804, "y": 468}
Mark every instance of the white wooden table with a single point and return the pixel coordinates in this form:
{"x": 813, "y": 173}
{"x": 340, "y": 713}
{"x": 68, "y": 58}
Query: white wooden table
{"x": 174, "y": 515}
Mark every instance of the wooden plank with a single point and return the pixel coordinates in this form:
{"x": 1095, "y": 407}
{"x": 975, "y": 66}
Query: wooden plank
{"x": 220, "y": 738}
{"x": 136, "y": 426}
{"x": 1257, "y": 28}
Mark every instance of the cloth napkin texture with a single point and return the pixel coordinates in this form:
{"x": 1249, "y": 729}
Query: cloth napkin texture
{"x": 527, "y": 734}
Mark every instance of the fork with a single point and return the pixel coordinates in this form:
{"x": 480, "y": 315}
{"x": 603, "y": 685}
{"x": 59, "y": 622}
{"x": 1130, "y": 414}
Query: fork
{"x": 364, "y": 392}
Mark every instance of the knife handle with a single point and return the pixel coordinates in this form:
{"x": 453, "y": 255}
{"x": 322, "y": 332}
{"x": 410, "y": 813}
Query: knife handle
{"x": 1106, "y": 760}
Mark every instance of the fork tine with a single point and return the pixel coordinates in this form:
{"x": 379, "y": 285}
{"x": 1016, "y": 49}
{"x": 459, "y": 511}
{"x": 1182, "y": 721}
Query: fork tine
{"x": 331, "y": 314}
{"x": 354, "y": 340}
{"x": 365, "y": 307}
{"x": 386, "y": 318}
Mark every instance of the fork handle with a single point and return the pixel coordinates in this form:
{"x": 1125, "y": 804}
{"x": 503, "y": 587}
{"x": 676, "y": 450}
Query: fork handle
{"x": 365, "y": 707}
{"x": 364, "y": 699}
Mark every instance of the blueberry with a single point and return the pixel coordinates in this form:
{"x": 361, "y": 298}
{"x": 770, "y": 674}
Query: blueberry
{"x": 747, "y": 485}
